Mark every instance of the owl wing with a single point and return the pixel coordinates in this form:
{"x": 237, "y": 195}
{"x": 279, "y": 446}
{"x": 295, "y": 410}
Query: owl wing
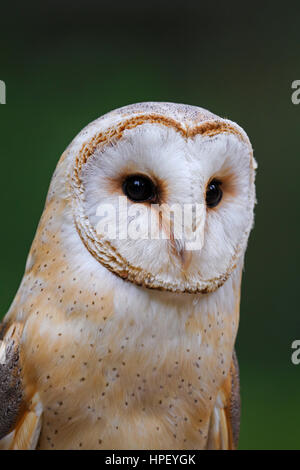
{"x": 224, "y": 424}
{"x": 20, "y": 421}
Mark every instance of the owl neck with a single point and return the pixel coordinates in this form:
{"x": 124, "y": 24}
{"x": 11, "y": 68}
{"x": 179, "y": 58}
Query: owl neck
{"x": 183, "y": 314}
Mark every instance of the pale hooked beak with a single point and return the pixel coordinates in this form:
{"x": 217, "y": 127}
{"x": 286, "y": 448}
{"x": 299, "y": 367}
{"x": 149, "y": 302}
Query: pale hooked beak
{"x": 188, "y": 236}
{"x": 178, "y": 247}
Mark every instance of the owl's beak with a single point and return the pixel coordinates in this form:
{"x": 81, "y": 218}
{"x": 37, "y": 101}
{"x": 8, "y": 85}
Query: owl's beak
{"x": 178, "y": 248}
{"x": 191, "y": 238}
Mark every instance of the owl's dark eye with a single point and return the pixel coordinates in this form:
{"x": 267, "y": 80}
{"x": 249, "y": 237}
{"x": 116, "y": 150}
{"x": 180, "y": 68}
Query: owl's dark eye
{"x": 214, "y": 193}
{"x": 139, "y": 188}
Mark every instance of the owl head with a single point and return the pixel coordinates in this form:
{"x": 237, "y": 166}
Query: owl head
{"x": 161, "y": 194}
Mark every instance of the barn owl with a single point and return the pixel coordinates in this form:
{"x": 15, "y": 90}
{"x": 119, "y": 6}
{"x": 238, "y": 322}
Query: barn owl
{"x": 128, "y": 342}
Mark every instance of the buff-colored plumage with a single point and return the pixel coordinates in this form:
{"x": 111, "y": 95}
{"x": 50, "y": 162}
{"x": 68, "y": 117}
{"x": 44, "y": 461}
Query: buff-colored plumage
{"x": 115, "y": 345}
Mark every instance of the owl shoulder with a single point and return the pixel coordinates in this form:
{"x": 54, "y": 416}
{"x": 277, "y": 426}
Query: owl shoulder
{"x": 20, "y": 420}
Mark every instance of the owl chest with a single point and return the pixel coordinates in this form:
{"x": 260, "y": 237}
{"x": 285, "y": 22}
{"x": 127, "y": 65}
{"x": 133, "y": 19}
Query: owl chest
{"x": 123, "y": 386}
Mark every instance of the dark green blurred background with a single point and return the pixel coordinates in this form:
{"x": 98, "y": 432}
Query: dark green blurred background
{"x": 66, "y": 63}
